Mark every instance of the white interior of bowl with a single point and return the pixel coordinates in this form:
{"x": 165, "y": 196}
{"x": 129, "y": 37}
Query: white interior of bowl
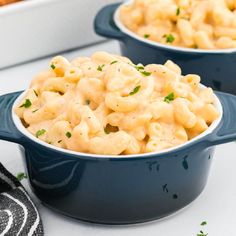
{"x": 25, "y": 132}
{"x": 125, "y": 30}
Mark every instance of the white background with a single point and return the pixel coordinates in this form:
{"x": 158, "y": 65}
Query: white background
{"x": 216, "y": 205}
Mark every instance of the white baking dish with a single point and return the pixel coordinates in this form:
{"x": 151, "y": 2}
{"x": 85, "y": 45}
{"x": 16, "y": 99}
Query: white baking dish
{"x": 35, "y": 28}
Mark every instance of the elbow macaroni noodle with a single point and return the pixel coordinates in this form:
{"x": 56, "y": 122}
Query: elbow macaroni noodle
{"x": 107, "y": 105}
{"x": 205, "y": 24}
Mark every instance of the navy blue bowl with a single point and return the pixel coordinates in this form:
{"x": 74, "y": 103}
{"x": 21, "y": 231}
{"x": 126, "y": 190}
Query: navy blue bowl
{"x": 217, "y": 68}
{"x": 118, "y": 189}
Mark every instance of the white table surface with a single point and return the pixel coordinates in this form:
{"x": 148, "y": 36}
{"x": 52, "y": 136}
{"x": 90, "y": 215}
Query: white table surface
{"x": 216, "y": 205}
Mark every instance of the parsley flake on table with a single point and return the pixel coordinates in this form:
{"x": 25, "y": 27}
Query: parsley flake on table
{"x": 135, "y": 90}
{"x": 20, "y": 176}
{"x": 100, "y": 67}
{"x": 203, "y": 223}
{"x": 201, "y": 233}
{"x": 27, "y": 103}
{"x": 68, "y": 134}
{"x": 170, "y": 97}
{"x": 169, "y": 38}
{"x": 40, "y": 132}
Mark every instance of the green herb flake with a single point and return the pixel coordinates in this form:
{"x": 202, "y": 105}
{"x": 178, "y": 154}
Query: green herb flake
{"x": 87, "y": 102}
{"x": 113, "y": 62}
{"x": 135, "y": 90}
{"x": 201, "y": 233}
{"x": 170, "y": 97}
{"x": 20, "y": 176}
{"x": 145, "y": 73}
{"x": 177, "y": 11}
{"x": 53, "y": 66}
{"x": 36, "y": 94}
{"x": 139, "y": 68}
{"x": 27, "y": 103}
{"x": 169, "y": 38}
{"x": 142, "y": 71}
{"x": 146, "y": 36}
{"x": 106, "y": 130}
{"x": 203, "y": 223}
{"x": 68, "y": 134}
{"x": 35, "y": 110}
{"x": 100, "y": 67}
{"x": 40, "y": 132}
{"x": 110, "y": 129}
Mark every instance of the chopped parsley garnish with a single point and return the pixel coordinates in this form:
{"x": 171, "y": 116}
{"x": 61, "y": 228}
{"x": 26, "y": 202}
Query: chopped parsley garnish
{"x": 27, "y": 103}
{"x": 142, "y": 71}
{"x": 146, "y": 73}
{"x": 135, "y": 90}
{"x": 100, "y": 67}
{"x": 106, "y": 130}
{"x": 146, "y": 36}
{"x": 170, "y": 97}
{"x": 40, "y": 132}
{"x": 36, "y": 94}
{"x": 169, "y": 38}
{"x": 201, "y": 233}
{"x": 110, "y": 129}
{"x": 113, "y": 62}
{"x": 177, "y": 11}
{"x": 68, "y": 134}
{"x": 139, "y": 68}
{"x": 203, "y": 223}
{"x": 35, "y": 110}
{"x": 53, "y": 66}
{"x": 20, "y": 176}
{"x": 87, "y": 102}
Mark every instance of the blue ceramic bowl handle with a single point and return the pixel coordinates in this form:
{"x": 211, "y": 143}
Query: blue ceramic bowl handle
{"x": 8, "y": 131}
{"x": 227, "y": 128}
{"x": 104, "y": 24}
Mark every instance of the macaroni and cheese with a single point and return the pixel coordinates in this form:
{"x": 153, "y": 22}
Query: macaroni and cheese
{"x": 204, "y": 24}
{"x": 107, "y": 105}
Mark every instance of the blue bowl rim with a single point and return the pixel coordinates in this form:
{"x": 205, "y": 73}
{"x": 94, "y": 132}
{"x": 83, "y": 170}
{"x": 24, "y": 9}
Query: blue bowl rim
{"x": 17, "y": 122}
{"x": 149, "y": 43}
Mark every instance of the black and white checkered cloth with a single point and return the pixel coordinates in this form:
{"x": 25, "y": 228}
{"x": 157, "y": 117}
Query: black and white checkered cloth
{"x": 18, "y": 214}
